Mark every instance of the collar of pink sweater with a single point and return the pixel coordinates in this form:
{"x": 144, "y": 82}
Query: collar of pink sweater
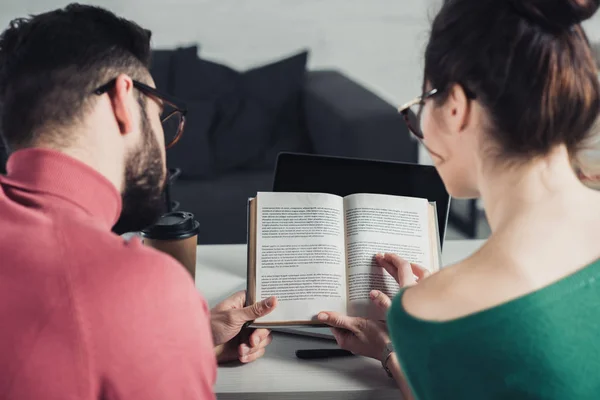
{"x": 61, "y": 176}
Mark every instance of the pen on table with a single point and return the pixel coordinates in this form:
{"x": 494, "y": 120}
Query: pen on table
{"x": 313, "y": 354}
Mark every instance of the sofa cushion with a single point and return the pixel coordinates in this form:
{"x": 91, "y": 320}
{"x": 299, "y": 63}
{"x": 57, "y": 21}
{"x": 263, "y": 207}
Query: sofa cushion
{"x": 161, "y": 66}
{"x": 279, "y": 88}
{"x": 289, "y": 134}
{"x": 256, "y": 113}
{"x": 161, "y": 69}
{"x": 198, "y": 79}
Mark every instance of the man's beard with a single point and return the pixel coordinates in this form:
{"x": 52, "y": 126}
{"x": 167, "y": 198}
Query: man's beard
{"x": 144, "y": 181}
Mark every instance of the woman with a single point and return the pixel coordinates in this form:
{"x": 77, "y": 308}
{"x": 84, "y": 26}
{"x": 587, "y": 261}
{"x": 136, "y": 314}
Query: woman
{"x": 510, "y": 98}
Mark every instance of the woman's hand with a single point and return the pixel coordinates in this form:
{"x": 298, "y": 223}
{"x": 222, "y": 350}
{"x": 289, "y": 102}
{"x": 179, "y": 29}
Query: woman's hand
{"x": 368, "y": 337}
{"x": 362, "y": 336}
{"x": 405, "y": 273}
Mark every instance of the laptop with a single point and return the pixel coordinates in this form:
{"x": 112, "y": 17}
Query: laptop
{"x": 342, "y": 176}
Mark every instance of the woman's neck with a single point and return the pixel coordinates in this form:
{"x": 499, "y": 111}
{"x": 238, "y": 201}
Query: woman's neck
{"x": 510, "y": 192}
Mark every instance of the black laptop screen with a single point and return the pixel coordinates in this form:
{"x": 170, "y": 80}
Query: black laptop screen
{"x": 345, "y": 176}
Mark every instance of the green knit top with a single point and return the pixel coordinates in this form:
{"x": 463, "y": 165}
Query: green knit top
{"x": 543, "y": 345}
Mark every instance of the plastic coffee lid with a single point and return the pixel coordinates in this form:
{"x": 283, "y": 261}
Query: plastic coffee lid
{"x": 173, "y": 226}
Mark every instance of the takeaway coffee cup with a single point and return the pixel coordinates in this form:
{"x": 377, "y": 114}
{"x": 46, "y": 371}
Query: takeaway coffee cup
{"x": 175, "y": 233}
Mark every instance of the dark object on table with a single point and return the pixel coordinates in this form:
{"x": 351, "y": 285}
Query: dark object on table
{"x": 316, "y": 354}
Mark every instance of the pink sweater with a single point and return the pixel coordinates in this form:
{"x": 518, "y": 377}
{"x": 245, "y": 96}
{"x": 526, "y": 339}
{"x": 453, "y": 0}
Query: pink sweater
{"x": 83, "y": 313}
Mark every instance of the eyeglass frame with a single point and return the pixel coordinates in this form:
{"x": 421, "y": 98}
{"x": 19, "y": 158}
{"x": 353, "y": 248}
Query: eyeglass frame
{"x": 178, "y": 105}
{"x": 404, "y": 109}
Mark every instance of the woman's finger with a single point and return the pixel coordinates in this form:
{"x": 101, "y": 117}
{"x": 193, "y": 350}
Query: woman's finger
{"x": 389, "y": 267}
{"x": 405, "y": 276}
{"x": 341, "y": 337}
{"x": 380, "y": 299}
{"x": 419, "y": 271}
{"x": 338, "y": 320}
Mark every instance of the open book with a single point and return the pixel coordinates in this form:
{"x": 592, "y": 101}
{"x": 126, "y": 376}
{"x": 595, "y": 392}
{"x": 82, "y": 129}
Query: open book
{"x": 315, "y": 252}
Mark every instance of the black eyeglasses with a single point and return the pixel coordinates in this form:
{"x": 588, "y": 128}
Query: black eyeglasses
{"x": 412, "y": 110}
{"x": 173, "y": 113}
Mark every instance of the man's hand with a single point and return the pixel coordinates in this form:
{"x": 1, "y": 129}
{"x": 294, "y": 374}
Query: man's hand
{"x": 227, "y": 320}
{"x": 362, "y": 336}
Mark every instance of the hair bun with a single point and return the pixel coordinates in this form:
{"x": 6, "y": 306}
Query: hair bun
{"x": 556, "y": 14}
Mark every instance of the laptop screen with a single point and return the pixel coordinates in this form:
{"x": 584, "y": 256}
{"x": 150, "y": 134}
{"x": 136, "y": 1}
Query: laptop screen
{"x": 344, "y": 176}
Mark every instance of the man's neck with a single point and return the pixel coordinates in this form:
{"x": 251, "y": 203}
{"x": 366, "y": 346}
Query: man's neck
{"x": 98, "y": 159}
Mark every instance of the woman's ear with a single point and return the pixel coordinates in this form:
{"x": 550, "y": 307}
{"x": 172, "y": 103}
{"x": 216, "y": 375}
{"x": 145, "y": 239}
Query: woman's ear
{"x": 120, "y": 98}
{"x": 457, "y": 109}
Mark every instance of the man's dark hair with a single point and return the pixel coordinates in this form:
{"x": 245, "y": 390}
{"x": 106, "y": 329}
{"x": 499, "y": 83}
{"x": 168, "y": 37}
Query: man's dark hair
{"x": 51, "y": 63}
{"x": 528, "y": 62}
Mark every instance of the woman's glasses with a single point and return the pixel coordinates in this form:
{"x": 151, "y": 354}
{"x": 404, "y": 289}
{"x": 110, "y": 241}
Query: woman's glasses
{"x": 173, "y": 113}
{"x": 412, "y": 110}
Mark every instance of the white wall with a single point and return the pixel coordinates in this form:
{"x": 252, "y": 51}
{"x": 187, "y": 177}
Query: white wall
{"x": 377, "y": 42}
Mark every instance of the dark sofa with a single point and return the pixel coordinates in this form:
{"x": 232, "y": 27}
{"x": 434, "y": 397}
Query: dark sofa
{"x": 326, "y": 113}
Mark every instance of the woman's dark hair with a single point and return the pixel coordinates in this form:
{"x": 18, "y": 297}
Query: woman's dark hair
{"x": 528, "y": 62}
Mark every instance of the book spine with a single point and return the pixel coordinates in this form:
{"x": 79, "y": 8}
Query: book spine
{"x": 248, "y": 250}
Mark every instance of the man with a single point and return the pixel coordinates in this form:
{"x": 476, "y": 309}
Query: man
{"x": 86, "y": 314}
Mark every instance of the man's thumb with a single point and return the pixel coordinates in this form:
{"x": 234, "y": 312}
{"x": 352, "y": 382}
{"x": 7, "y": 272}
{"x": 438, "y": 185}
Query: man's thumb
{"x": 259, "y": 309}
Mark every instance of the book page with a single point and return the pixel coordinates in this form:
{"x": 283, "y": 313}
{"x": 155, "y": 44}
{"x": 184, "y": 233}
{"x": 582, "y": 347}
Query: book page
{"x": 300, "y": 255}
{"x": 382, "y": 224}
{"x": 434, "y": 239}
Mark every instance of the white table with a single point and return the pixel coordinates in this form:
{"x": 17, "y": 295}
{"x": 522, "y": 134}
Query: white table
{"x": 221, "y": 271}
